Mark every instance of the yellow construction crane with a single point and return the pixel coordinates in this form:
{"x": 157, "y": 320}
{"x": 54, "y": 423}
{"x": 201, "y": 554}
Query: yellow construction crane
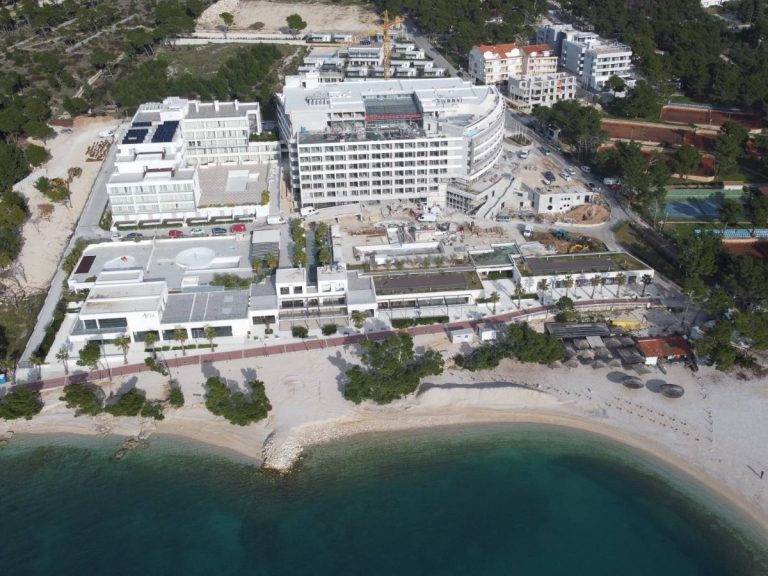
{"x": 387, "y": 24}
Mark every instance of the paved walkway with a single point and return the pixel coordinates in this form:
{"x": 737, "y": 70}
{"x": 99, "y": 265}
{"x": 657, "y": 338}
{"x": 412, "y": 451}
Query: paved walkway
{"x": 302, "y": 346}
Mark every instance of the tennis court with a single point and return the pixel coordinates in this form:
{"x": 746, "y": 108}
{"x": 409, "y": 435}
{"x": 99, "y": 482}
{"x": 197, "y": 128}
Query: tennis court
{"x": 698, "y": 204}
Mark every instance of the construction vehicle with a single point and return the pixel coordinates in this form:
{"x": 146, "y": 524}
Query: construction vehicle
{"x": 387, "y": 24}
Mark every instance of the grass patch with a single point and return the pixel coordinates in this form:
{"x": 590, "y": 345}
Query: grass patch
{"x": 204, "y": 61}
{"x": 18, "y": 320}
{"x": 634, "y": 242}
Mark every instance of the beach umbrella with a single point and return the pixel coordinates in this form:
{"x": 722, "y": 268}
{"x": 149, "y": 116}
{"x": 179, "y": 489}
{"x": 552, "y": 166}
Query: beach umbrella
{"x": 572, "y": 363}
{"x": 633, "y": 382}
{"x": 642, "y": 369}
{"x": 597, "y": 364}
{"x": 581, "y": 344}
{"x": 555, "y": 364}
{"x": 615, "y": 363}
{"x": 671, "y": 390}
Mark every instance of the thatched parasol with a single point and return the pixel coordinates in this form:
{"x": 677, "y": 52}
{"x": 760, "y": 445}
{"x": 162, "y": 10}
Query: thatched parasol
{"x": 581, "y": 344}
{"x": 633, "y": 382}
{"x": 597, "y": 364}
{"x": 611, "y": 342}
{"x": 642, "y": 369}
{"x": 585, "y": 355}
{"x": 555, "y": 364}
{"x": 615, "y": 363}
{"x": 672, "y": 390}
{"x": 572, "y": 363}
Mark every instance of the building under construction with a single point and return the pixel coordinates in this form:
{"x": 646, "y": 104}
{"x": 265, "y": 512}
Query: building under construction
{"x": 383, "y": 140}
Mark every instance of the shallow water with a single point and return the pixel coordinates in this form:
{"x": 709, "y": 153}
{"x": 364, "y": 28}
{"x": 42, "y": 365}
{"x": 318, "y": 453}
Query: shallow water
{"x": 481, "y": 500}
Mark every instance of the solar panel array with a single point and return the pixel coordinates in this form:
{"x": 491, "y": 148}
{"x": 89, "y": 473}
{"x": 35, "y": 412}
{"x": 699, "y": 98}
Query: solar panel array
{"x": 135, "y": 136}
{"x": 165, "y": 131}
{"x": 141, "y": 124}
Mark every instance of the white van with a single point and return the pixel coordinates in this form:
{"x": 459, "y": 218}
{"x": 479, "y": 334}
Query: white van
{"x": 307, "y": 211}
{"x": 275, "y": 220}
{"x": 528, "y": 231}
{"x": 426, "y": 217}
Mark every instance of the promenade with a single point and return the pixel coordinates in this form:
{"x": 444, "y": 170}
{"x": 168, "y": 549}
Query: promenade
{"x": 194, "y": 357}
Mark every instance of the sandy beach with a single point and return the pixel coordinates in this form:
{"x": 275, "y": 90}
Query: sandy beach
{"x": 711, "y": 433}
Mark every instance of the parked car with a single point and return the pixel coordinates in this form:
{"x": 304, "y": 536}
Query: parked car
{"x": 503, "y": 218}
{"x": 549, "y": 177}
{"x": 218, "y": 231}
{"x": 571, "y": 170}
{"x": 115, "y": 236}
{"x": 523, "y": 154}
{"x": 565, "y": 176}
{"x": 273, "y": 220}
{"x": 546, "y": 151}
{"x": 586, "y": 169}
{"x": 134, "y": 236}
{"x": 528, "y": 231}
{"x": 197, "y": 232}
{"x": 175, "y": 234}
{"x": 237, "y": 228}
{"x": 592, "y": 186}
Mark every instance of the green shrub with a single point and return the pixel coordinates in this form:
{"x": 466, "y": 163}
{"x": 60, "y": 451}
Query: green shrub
{"x": 329, "y": 329}
{"x": 230, "y": 281}
{"x": 21, "y": 402}
{"x": 83, "y": 398}
{"x": 299, "y": 332}
{"x": 153, "y": 365}
{"x": 176, "y": 397}
{"x": 152, "y": 410}
{"x": 129, "y": 404}
{"x": 236, "y": 406}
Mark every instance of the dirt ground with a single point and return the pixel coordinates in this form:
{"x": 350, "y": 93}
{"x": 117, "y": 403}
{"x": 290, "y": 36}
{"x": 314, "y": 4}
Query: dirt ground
{"x": 575, "y": 244}
{"x": 708, "y": 116}
{"x": 665, "y": 135}
{"x": 587, "y": 214}
{"x": 45, "y": 239}
{"x": 319, "y": 16}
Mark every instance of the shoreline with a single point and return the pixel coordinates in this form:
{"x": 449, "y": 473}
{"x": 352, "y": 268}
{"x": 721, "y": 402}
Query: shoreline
{"x": 316, "y": 434}
{"x": 709, "y": 435}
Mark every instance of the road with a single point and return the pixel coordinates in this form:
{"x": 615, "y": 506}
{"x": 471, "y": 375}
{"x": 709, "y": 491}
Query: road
{"x": 87, "y": 227}
{"x": 422, "y": 42}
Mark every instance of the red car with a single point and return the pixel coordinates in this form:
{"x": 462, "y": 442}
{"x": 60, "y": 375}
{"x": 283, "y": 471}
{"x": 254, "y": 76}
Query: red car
{"x": 175, "y": 233}
{"x": 237, "y": 228}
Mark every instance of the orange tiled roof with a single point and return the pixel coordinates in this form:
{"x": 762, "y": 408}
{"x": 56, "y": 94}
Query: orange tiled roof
{"x": 499, "y": 50}
{"x": 537, "y": 48}
{"x": 665, "y": 347}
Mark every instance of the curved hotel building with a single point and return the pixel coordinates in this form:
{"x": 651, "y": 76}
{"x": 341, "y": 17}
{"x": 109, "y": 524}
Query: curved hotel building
{"x": 386, "y": 140}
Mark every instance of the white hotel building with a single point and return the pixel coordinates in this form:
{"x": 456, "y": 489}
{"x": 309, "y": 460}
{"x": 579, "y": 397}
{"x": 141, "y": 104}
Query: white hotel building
{"x": 184, "y": 159}
{"x": 386, "y": 140}
{"x": 591, "y": 58}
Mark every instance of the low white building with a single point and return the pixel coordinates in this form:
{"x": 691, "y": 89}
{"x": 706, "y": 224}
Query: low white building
{"x": 183, "y": 159}
{"x": 462, "y": 335}
{"x": 527, "y": 92}
{"x": 604, "y": 267}
{"x": 487, "y": 332}
{"x": 556, "y": 200}
{"x": 160, "y": 286}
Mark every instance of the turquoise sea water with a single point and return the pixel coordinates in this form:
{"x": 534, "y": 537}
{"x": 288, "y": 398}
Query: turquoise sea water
{"x": 523, "y": 500}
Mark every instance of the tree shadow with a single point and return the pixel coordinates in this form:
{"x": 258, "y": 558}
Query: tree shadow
{"x": 209, "y": 370}
{"x": 343, "y": 365}
{"x": 616, "y": 376}
{"x": 249, "y": 374}
{"x": 127, "y": 385}
{"x": 655, "y": 384}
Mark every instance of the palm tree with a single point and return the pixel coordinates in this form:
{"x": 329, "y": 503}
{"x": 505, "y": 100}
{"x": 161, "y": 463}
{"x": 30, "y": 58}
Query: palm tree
{"x": 620, "y": 281}
{"x": 63, "y": 356}
{"x": 519, "y": 292}
{"x": 358, "y": 318}
{"x": 595, "y": 281}
{"x": 36, "y": 360}
{"x": 271, "y": 260}
{"x": 180, "y": 335}
{"x": 567, "y": 283}
{"x": 646, "y": 279}
{"x": 494, "y": 299}
{"x": 124, "y": 343}
{"x": 149, "y": 342}
{"x": 209, "y": 333}
{"x": 542, "y": 287}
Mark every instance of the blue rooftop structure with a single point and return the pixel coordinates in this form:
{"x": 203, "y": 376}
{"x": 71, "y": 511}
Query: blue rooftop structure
{"x": 165, "y": 131}
{"x": 135, "y": 136}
